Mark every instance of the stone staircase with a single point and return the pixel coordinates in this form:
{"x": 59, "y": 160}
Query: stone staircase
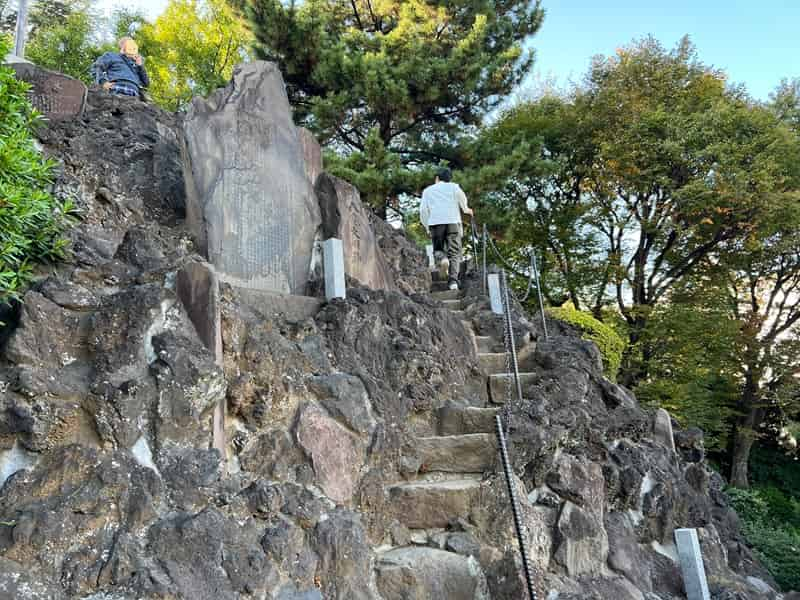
{"x": 424, "y": 560}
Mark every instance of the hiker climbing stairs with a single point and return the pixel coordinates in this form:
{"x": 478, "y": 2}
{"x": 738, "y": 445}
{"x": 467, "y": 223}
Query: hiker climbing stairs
{"x": 447, "y": 487}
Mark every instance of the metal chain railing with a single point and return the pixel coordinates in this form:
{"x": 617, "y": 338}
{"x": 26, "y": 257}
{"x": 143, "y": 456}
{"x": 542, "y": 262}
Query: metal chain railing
{"x": 533, "y": 276}
{"x": 513, "y": 382}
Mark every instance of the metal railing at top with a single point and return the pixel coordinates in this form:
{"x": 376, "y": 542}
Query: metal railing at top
{"x": 533, "y": 275}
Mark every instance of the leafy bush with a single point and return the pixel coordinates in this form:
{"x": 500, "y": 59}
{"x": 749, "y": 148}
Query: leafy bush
{"x": 610, "y": 344}
{"x": 31, "y": 220}
{"x": 776, "y": 542}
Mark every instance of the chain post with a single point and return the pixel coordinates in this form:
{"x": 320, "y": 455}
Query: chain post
{"x": 512, "y": 496}
{"x": 539, "y": 293}
{"x": 483, "y": 246}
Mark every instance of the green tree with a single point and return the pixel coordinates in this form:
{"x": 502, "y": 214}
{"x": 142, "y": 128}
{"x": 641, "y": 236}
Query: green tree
{"x": 67, "y": 46}
{"x": 416, "y": 76}
{"x": 656, "y": 166}
{"x": 191, "y": 49}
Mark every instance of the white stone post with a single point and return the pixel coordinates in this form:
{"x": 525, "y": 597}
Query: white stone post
{"x": 694, "y": 573}
{"x": 333, "y": 258}
{"x": 429, "y": 251}
{"x": 22, "y": 29}
{"x": 494, "y": 294}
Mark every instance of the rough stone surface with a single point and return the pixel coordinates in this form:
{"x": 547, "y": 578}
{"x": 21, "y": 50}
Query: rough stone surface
{"x": 251, "y": 205}
{"x": 344, "y": 217}
{"x": 112, "y": 492}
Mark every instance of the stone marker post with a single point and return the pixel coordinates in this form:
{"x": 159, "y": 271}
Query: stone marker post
{"x": 22, "y": 28}
{"x": 429, "y": 252}
{"x": 494, "y": 294}
{"x": 694, "y": 574}
{"x": 333, "y": 257}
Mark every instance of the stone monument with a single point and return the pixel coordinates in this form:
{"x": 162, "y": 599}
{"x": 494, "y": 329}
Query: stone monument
{"x": 54, "y": 95}
{"x": 250, "y": 203}
{"x": 345, "y": 217}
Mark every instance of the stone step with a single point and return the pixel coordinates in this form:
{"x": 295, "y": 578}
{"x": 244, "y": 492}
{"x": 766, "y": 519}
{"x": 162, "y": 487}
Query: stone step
{"x": 459, "y": 314}
{"x": 408, "y": 572}
{"x": 493, "y": 363}
{"x": 485, "y": 343}
{"x": 447, "y": 294}
{"x": 454, "y": 305}
{"x": 440, "y": 286}
{"x": 429, "y": 504}
{"x": 497, "y": 386}
{"x": 455, "y": 420}
{"x": 463, "y": 453}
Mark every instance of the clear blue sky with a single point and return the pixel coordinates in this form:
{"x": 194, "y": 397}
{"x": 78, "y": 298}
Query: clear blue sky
{"x": 756, "y": 42}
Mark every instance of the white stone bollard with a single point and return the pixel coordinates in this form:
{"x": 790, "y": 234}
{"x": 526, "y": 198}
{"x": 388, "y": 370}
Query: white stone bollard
{"x": 694, "y": 573}
{"x": 333, "y": 260}
{"x": 494, "y": 294}
{"x": 431, "y": 261}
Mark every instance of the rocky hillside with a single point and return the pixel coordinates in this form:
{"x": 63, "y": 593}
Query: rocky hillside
{"x": 359, "y": 457}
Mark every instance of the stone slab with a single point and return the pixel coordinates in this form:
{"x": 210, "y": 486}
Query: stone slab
{"x": 426, "y": 505}
{"x": 250, "y": 204}
{"x": 495, "y": 297}
{"x": 454, "y": 420}
{"x": 463, "y": 453}
{"x": 336, "y": 454}
{"x": 418, "y": 572}
{"x": 54, "y": 95}
{"x": 429, "y": 253}
{"x": 312, "y": 154}
{"x": 345, "y": 217}
{"x": 197, "y": 286}
{"x": 692, "y": 568}
{"x": 269, "y": 304}
{"x": 333, "y": 256}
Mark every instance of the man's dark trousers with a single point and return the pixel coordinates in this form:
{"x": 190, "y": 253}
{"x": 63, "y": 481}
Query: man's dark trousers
{"x": 447, "y": 238}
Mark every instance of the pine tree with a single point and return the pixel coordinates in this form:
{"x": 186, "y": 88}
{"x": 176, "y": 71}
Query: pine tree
{"x": 414, "y": 76}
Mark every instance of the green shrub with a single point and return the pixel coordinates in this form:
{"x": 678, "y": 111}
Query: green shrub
{"x": 31, "y": 220}
{"x": 775, "y": 541}
{"x": 608, "y": 341}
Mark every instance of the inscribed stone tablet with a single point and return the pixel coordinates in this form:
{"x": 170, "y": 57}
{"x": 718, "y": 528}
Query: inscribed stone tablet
{"x": 249, "y": 202}
{"x": 54, "y": 95}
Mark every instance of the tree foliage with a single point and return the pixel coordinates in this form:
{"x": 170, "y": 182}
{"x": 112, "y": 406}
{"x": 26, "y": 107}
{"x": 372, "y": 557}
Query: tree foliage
{"x": 673, "y": 198}
{"x": 391, "y": 78}
{"x": 191, "y": 49}
{"x": 31, "y": 220}
{"x": 610, "y": 344}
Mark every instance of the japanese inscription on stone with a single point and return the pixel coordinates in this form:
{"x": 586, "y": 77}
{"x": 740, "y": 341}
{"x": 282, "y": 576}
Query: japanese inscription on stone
{"x": 250, "y": 202}
{"x": 54, "y": 95}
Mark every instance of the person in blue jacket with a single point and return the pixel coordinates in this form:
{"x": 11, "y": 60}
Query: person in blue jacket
{"x": 122, "y": 72}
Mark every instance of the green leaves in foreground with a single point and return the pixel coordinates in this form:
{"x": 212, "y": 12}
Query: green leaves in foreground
{"x": 31, "y": 220}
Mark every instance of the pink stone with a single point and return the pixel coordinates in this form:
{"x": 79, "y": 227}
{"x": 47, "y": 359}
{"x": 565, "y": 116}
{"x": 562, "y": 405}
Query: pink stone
{"x": 336, "y": 454}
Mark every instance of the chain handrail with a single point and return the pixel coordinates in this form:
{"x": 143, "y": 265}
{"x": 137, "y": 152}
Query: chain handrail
{"x": 503, "y": 420}
{"x": 533, "y": 275}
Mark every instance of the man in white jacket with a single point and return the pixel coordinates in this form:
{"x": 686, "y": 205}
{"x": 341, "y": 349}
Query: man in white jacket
{"x": 440, "y": 213}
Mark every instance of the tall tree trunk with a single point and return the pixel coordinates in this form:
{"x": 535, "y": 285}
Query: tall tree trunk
{"x": 744, "y": 434}
{"x": 636, "y": 357}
